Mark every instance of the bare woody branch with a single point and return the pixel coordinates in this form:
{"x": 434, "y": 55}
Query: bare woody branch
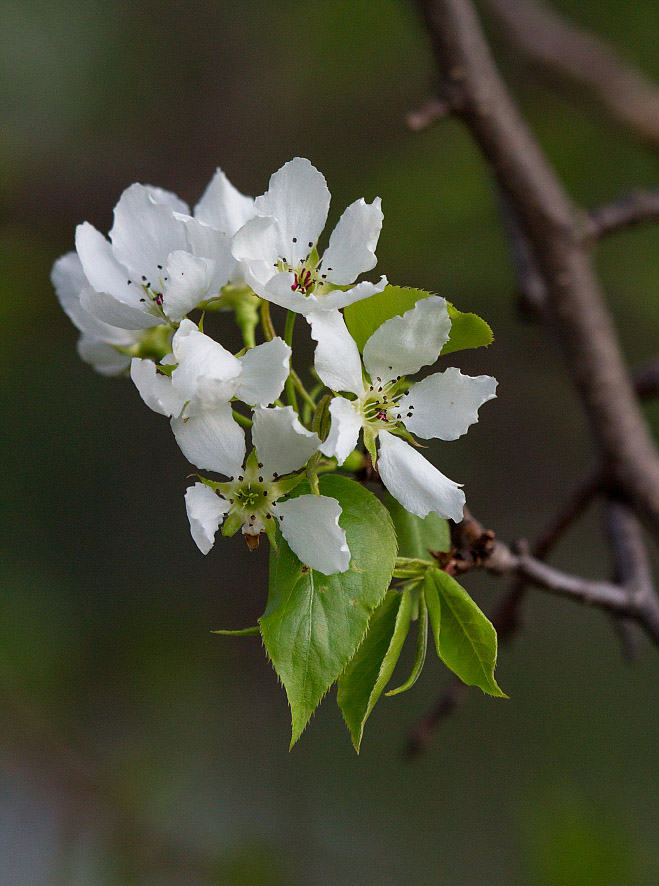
{"x": 554, "y": 230}
{"x": 562, "y": 49}
{"x": 634, "y": 599}
{"x": 646, "y": 379}
{"x": 434, "y": 109}
{"x": 631, "y": 599}
{"x": 632, "y": 209}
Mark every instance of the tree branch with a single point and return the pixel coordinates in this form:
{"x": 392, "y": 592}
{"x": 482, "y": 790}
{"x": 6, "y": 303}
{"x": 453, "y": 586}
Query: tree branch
{"x": 630, "y": 210}
{"x": 562, "y": 48}
{"x": 646, "y": 379}
{"x": 634, "y": 599}
{"x": 554, "y": 230}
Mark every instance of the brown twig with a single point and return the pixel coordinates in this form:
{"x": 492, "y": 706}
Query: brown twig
{"x": 561, "y": 48}
{"x": 631, "y": 568}
{"x": 646, "y": 379}
{"x": 531, "y": 284}
{"x": 434, "y": 109}
{"x": 634, "y": 599}
{"x": 506, "y": 617}
{"x": 632, "y": 209}
{"x": 633, "y": 579}
{"x": 554, "y": 229}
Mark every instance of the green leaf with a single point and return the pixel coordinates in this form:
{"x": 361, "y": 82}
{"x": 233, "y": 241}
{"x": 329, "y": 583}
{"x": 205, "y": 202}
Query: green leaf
{"x": 314, "y": 623}
{"x": 431, "y": 596}
{"x": 369, "y": 671}
{"x": 365, "y": 316}
{"x": 418, "y": 535}
{"x": 243, "y": 632}
{"x": 467, "y": 641}
{"x": 467, "y": 331}
{"x": 421, "y": 649}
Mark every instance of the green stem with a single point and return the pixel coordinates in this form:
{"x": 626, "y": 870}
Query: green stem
{"x": 312, "y": 473}
{"x": 306, "y": 396}
{"x": 266, "y": 321}
{"x": 291, "y": 396}
{"x": 242, "y": 419}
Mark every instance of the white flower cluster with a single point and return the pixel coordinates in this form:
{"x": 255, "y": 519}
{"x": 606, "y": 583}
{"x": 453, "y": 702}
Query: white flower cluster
{"x": 130, "y": 297}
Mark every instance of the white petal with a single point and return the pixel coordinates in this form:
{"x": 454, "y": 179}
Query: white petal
{"x": 223, "y": 206}
{"x": 351, "y": 249}
{"x": 102, "y": 356}
{"x": 299, "y": 199}
{"x": 265, "y": 369}
{"x": 108, "y": 309}
{"x": 277, "y": 289}
{"x": 144, "y": 233}
{"x": 212, "y": 441}
{"x": 68, "y": 277}
{"x": 445, "y": 404}
{"x": 402, "y": 345}
{"x": 205, "y": 510}
{"x": 207, "y": 374}
{"x": 70, "y": 281}
{"x": 415, "y": 483}
{"x": 209, "y": 243}
{"x": 155, "y": 388}
{"x": 188, "y": 282}
{"x": 168, "y": 198}
{"x": 311, "y": 528}
{"x": 344, "y": 430}
{"x": 256, "y": 245}
{"x": 103, "y": 271}
{"x": 337, "y": 359}
{"x": 338, "y": 298}
{"x": 282, "y": 443}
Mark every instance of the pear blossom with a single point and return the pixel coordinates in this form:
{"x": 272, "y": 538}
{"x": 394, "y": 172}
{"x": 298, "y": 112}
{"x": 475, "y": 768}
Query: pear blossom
{"x": 224, "y": 208}
{"x": 198, "y": 393}
{"x": 101, "y": 345}
{"x": 388, "y": 409}
{"x": 159, "y": 264}
{"x": 278, "y": 245}
{"x": 250, "y": 500}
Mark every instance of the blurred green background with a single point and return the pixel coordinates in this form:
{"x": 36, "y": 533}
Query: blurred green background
{"x": 137, "y": 748}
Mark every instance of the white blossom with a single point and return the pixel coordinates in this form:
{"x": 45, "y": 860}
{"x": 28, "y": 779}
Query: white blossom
{"x": 250, "y": 500}
{"x": 278, "y": 246}
{"x": 224, "y": 208}
{"x": 101, "y": 345}
{"x": 159, "y": 264}
{"x": 197, "y": 396}
{"x": 387, "y": 408}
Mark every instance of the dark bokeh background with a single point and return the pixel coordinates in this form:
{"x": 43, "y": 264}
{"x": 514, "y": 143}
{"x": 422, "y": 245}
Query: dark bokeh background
{"x": 136, "y": 747}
